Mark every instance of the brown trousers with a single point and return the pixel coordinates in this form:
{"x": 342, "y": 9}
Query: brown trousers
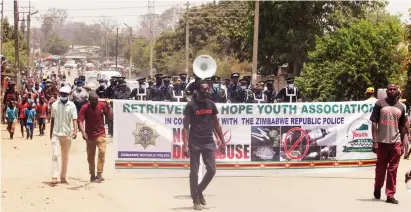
{"x": 100, "y": 143}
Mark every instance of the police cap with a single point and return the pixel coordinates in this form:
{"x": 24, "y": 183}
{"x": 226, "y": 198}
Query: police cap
{"x": 166, "y": 78}
{"x": 243, "y": 81}
{"x": 269, "y": 82}
{"x": 208, "y": 79}
{"x": 158, "y": 75}
{"x": 247, "y": 78}
{"x": 289, "y": 79}
{"x": 235, "y": 75}
{"x": 183, "y": 75}
{"x": 216, "y": 78}
{"x": 141, "y": 80}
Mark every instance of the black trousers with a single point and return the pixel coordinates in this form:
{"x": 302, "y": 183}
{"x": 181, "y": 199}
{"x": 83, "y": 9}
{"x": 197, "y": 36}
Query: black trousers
{"x": 209, "y": 161}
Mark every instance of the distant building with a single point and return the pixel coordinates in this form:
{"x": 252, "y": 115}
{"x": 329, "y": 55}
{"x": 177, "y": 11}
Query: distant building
{"x": 78, "y": 52}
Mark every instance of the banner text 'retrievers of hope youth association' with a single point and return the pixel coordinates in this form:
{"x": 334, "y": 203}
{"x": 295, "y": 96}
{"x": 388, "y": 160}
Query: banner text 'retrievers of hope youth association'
{"x": 262, "y": 109}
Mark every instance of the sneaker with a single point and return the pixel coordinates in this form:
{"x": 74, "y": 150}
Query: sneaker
{"x": 407, "y": 177}
{"x": 392, "y": 201}
{"x": 377, "y": 193}
{"x": 197, "y": 206}
{"x": 63, "y": 180}
{"x": 92, "y": 179}
{"x": 201, "y": 199}
{"x": 99, "y": 178}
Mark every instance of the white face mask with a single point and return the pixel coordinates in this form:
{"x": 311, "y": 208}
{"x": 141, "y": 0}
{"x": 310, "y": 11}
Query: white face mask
{"x": 216, "y": 85}
{"x": 291, "y": 85}
{"x": 243, "y": 87}
{"x": 79, "y": 87}
{"x": 102, "y": 84}
{"x": 65, "y": 98}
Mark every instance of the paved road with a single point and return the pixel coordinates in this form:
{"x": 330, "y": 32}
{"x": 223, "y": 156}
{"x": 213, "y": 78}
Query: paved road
{"x": 26, "y": 172}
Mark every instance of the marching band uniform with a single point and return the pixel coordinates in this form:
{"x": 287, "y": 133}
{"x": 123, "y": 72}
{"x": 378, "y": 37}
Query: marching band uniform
{"x": 177, "y": 93}
{"x": 140, "y": 90}
{"x": 289, "y": 93}
{"x": 155, "y": 93}
{"x": 235, "y": 88}
{"x": 101, "y": 90}
{"x": 110, "y": 90}
{"x": 183, "y": 81}
{"x": 122, "y": 91}
{"x": 166, "y": 88}
{"x": 270, "y": 92}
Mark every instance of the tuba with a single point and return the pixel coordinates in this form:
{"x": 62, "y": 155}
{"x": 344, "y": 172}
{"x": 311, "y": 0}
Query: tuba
{"x": 204, "y": 66}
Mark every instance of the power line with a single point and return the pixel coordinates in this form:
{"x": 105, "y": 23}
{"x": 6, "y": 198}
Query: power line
{"x": 107, "y": 8}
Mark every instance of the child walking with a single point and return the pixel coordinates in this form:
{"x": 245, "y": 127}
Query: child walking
{"x": 30, "y": 115}
{"x": 11, "y": 116}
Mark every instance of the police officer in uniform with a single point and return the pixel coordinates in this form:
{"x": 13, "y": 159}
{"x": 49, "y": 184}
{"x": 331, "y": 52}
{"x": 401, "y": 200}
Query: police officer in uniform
{"x": 122, "y": 91}
{"x": 101, "y": 90}
{"x": 140, "y": 90}
{"x": 270, "y": 92}
{"x": 290, "y": 93}
{"x": 177, "y": 94}
{"x": 217, "y": 93}
{"x": 183, "y": 81}
{"x": 111, "y": 89}
{"x": 155, "y": 93}
{"x": 248, "y": 82}
{"x": 234, "y": 88}
{"x": 166, "y": 88}
{"x": 258, "y": 95}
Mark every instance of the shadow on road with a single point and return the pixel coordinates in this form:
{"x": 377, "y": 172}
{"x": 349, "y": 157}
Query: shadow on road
{"x": 369, "y": 200}
{"x": 188, "y": 208}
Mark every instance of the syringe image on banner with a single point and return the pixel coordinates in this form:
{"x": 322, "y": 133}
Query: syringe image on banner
{"x": 265, "y": 143}
{"x": 307, "y": 143}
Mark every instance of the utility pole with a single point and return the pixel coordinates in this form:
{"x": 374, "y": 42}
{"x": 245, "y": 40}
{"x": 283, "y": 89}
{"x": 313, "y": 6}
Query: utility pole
{"x": 1, "y": 28}
{"x": 116, "y": 47}
{"x": 34, "y": 38}
{"x": 16, "y": 42}
{"x": 255, "y": 42}
{"x": 151, "y": 22}
{"x": 187, "y": 38}
{"x": 129, "y": 47}
{"x": 106, "y": 48}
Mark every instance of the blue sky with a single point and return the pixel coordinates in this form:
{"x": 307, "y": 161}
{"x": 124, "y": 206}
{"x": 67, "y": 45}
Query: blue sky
{"x": 130, "y": 11}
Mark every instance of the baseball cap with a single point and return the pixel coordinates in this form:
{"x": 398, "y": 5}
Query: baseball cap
{"x": 370, "y": 90}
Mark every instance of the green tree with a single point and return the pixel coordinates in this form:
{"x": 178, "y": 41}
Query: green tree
{"x": 347, "y": 61}
{"x": 217, "y": 29}
{"x": 288, "y": 29}
{"x": 141, "y": 55}
{"x": 56, "y": 45}
{"x": 407, "y": 64}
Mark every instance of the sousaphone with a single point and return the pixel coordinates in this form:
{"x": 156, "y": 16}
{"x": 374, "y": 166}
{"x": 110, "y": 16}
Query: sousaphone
{"x": 204, "y": 66}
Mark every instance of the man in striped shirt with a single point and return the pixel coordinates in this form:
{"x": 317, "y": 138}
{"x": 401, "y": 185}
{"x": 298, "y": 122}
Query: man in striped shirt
{"x": 63, "y": 128}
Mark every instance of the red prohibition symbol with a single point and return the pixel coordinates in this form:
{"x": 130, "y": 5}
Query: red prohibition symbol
{"x": 299, "y": 140}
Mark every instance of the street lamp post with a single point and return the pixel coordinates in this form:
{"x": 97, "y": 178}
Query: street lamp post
{"x": 129, "y": 45}
{"x": 28, "y": 37}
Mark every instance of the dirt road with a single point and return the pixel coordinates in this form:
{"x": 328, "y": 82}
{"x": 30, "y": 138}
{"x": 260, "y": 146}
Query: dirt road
{"x": 26, "y": 173}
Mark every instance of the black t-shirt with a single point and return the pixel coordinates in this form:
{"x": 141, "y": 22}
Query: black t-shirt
{"x": 201, "y": 124}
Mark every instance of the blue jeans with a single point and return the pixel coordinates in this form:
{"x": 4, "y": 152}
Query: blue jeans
{"x": 29, "y": 128}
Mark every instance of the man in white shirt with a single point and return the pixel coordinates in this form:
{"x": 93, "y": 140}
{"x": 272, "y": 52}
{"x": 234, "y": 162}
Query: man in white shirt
{"x": 63, "y": 128}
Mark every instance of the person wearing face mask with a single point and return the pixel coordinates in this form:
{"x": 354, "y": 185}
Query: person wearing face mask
{"x": 111, "y": 89}
{"x": 388, "y": 123}
{"x": 176, "y": 94}
{"x": 217, "y": 91}
{"x": 241, "y": 95}
{"x": 258, "y": 95}
{"x": 289, "y": 93}
{"x": 123, "y": 91}
{"x": 200, "y": 121}
{"x": 183, "y": 81}
{"x": 156, "y": 93}
{"x": 166, "y": 88}
{"x": 63, "y": 128}
{"x": 79, "y": 95}
{"x": 101, "y": 90}
{"x": 94, "y": 133}
{"x": 270, "y": 91}
{"x": 142, "y": 91}
{"x": 234, "y": 87}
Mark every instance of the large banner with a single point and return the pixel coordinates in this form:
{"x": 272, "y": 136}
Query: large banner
{"x": 259, "y": 136}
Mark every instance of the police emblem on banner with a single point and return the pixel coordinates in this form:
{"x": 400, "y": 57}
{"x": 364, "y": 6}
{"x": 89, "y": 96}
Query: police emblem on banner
{"x": 145, "y": 135}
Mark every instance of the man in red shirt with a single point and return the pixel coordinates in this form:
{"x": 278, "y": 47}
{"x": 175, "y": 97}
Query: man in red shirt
{"x": 94, "y": 132}
{"x": 42, "y": 111}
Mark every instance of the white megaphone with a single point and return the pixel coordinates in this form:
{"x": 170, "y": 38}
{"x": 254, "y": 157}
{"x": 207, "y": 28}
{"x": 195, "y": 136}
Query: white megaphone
{"x": 204, "y": 66}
